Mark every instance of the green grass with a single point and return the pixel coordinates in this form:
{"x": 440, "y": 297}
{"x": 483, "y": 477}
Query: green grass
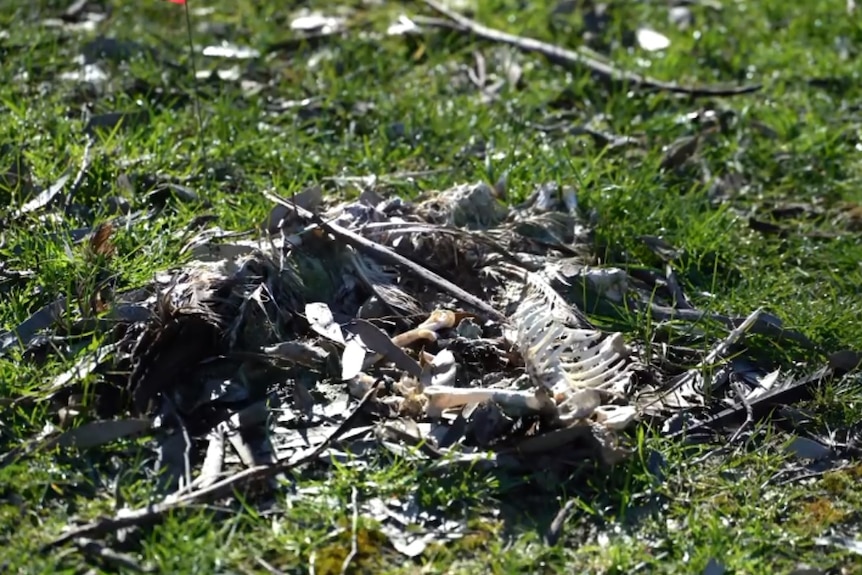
{"x": 366, "y": 104}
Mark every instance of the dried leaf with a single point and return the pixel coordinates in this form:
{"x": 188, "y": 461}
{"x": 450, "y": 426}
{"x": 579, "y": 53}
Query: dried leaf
{"x": 213, "y": 460}
{"x": 83, "y": 367}
{"x": 376, "y": 340}
{"x": 250, "y": 416}
{"x": 765, "y": 384}
{"x": 172, "y": 463}
{"x": 27, "y": 329}
{"x": 852, "y": 545}
{"x": 353, "y": 359}
{"x": 679, "y": 152}
{"x": 681, "y": 16}
{"x": 105, "y": 554}
{"x": 243, "y": 449}
{"x": 299, "y": 352}
{"x": 845, "y": 361}
{"x": 804, "y": 448}
{"x": 96, "y": 433}
{"x": 320, "y": 320}
{"x": 309, "y": 199}
{"x": 100, "y": 243}
{"x": 556, "y": 527}
{"x": 402, "y": 26}
{"x": 651, "y": 40}
{"x": 714, "y": 567}
{"x": 46, "y": 196}
{"x": 302, "y": 399}
{"x": 316, "y": 22}
{"x": 231, "y": 51}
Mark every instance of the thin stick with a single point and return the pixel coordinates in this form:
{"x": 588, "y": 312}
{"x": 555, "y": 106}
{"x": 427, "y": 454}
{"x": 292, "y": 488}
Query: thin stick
{"x": 749, "y": 411}
{"x": 354, "y": 543}
{"x": 572, "y": 58}
{"x": 197, "y": 103}
{"x": 760, "y": 406}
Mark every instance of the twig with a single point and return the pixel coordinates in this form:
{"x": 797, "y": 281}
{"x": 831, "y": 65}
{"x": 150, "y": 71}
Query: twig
{"x": 749, "y": 419}
{"x": 271, "y": 568}
{"x": 734, "y": 336}
{"x": 749, "y": 412}
{"x": 243, "y": 478}
{"x": 107, "y": 555}
{"x": 187, "y": 440}
{"x": 354, "y": 528}
{"x": 197, "y": 98}
{"x": 556, "y": 528}
{"x": 82, "y": 170}
{"x": 761, "y": 326}
{"x": 386, "y": 255}
{"x": 761, "y": 405}
{"x": 572, "y": 58}
{"x": 685, "y": 380}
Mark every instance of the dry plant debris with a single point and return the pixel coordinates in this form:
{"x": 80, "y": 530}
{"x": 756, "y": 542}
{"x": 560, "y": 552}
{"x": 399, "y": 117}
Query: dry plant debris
{"x": 454, "y": 330}
{"x": 445, "y": 328}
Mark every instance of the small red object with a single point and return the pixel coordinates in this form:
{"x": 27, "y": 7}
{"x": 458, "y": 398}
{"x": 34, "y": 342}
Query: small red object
{"x": 177, "y": 1}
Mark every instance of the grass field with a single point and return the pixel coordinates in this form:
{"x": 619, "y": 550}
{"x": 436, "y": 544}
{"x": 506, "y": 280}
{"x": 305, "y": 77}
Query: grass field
{"x": 767, "y": 208}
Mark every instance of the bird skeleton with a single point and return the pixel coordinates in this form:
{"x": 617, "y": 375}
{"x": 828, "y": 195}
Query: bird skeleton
{"x": 579, "y": 367}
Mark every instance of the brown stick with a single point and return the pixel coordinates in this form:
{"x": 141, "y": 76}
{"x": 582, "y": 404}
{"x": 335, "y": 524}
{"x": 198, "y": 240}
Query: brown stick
{"x": 571, "y": 58}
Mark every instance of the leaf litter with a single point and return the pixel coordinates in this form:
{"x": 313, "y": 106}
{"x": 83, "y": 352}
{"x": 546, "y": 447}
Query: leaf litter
{"x": 445, "y": 330}
{"x": 451, "y": 330}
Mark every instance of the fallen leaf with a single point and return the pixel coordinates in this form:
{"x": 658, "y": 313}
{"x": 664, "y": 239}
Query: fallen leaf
{"x": 231, "y": 51}
{"x": 845, "y": 361}
{"x": 316, "y": 23}
{"x": 852, "y": 545}
{"x": 172, "y": 461}
{"x": 803, "y": 569}
{"x": 651, "y": 40}
{"x": 298, "y": 352}
{"x": 26, "y": 330}
{"x": 679, "y": 152}
{"x": 96, "y": 433}
{"x": 714, "y": 567}
{"x": 681, "y": 17}
{"x": 321, "y": 321}
{"x": 353, "y": 358}
{"x": 376, "y": 340}
{"x": 46, "y": 196}
{"x": 211, "y": 468}
{"x": 804, "y": 448}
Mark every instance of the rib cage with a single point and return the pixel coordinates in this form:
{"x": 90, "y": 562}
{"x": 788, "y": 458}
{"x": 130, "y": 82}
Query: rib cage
{"x": 564, "y": 359}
